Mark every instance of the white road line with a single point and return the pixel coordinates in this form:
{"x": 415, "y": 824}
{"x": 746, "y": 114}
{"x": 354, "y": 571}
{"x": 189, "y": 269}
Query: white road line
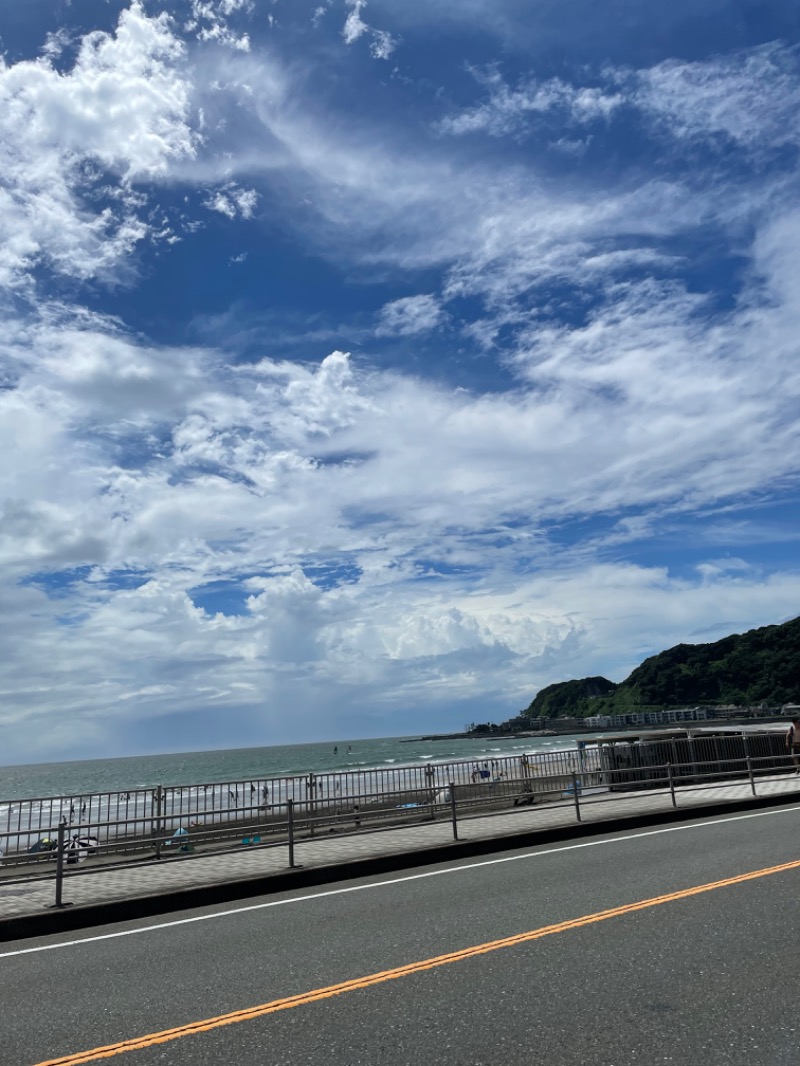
{"x": 396, "y": 881}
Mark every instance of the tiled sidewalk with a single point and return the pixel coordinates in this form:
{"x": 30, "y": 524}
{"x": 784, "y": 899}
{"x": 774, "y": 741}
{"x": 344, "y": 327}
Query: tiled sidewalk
{"x": 86, "y": 889}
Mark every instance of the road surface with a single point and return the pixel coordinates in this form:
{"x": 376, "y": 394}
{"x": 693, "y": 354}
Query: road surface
{"x": 669, "y": 945}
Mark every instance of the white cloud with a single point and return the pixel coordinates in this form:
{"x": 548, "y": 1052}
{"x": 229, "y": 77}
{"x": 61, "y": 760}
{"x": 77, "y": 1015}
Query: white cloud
{"x": 210, "y": 22}
{"x": 382, "y": 44}
{"x": 410, "y": 315}
{"x": 319, "y": 14}
{"x": 288, "y": 462}
{"x": 233, "y": 201}
{"x": 354, "y": 26}
{"x": 56, "y": 43}
{"x": 330, "y": 652}
{"x": 508, "y": 110}
{"x": 264, "y": 476}
{"x": 751, "y": 97}
{"x": 72, "y": 140}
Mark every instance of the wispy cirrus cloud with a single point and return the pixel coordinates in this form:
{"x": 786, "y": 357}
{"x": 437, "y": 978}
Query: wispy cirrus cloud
{"x": 410, "y": 314}
{"x": 752, "y": 98}
{"x": 748, "y": 96}
{"x": 507, "y": 109}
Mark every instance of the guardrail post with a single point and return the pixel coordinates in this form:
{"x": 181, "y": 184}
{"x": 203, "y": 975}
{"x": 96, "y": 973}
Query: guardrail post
{"x": 311, "y": 787}
{"x": 290, "y": 819}
{"x": 750, "y": 775}
{"x": 575, "y": 793}
{"x": 62, "y": 839}
{"x": 671, "y": 780}
{"x": 157, "y": 795}
{"x": 452, "y": 788}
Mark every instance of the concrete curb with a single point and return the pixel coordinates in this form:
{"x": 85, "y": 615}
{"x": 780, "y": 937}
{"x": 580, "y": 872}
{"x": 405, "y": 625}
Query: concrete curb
{"x": 51, "y": 921}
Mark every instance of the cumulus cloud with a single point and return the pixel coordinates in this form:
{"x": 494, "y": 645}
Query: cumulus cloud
{"x": 300, "y": 460}
{"x": 279, "y": 478}
{"x": 75, "y": 143}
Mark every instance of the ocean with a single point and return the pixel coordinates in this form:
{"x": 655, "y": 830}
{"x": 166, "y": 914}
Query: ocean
{"x": 243, "y": 764}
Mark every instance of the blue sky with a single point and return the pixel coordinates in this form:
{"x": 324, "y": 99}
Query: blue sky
{"x": 367, "y": 367}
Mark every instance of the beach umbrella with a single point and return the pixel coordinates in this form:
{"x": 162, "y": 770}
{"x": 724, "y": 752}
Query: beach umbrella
{"x": 43, "y": 844}
{"x": 90, "y": 843}
{"x": 78, "y": 848}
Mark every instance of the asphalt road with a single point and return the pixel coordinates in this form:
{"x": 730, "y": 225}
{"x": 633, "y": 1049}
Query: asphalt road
{"x": 698, "y": 979}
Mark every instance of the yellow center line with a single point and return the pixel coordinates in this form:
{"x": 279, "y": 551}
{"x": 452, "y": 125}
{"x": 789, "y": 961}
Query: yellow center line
{"x": 275, "y": 1005}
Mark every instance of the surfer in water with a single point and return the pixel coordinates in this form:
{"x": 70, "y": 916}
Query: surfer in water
{"x": 335, "y": 749}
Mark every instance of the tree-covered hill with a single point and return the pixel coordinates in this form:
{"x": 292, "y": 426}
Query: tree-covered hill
{"x": 560, "y": 699}
{"x": 760, "y": 666}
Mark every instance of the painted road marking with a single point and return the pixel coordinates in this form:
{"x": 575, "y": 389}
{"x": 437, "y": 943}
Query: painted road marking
{"x": 463, "y": 867}
{"x": 287, "y": 1003}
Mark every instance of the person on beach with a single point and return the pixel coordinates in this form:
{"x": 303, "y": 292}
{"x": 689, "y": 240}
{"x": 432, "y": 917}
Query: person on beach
{"x": 793, "y": 743}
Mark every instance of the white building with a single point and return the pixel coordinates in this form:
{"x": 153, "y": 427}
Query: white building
{"x": 668, "y": 717}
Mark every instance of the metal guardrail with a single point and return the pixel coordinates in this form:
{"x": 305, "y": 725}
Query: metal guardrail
{"x": 292, "y": 823}
{"x": 121, "y": 819}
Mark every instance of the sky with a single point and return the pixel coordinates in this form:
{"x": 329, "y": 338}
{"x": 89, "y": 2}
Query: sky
{"x": 366, "y": 367}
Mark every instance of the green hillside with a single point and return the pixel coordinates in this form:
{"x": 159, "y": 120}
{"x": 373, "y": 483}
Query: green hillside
{"x": 760, "y": 666}
{"x": 561, "y": 699}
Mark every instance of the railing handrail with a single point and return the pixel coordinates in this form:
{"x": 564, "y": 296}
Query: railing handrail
{"x": 444, "y": 790}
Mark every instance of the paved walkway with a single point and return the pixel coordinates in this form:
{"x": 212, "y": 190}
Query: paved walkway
{"x": 26, "y": 906}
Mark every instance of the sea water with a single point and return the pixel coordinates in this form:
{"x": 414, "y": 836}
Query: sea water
{"x": 104, "y": 798}
{"x": 240, "y": 764}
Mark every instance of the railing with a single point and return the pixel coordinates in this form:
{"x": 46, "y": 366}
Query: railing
{"x": 120, "y": 820}
{"x": 154, "y": 836}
